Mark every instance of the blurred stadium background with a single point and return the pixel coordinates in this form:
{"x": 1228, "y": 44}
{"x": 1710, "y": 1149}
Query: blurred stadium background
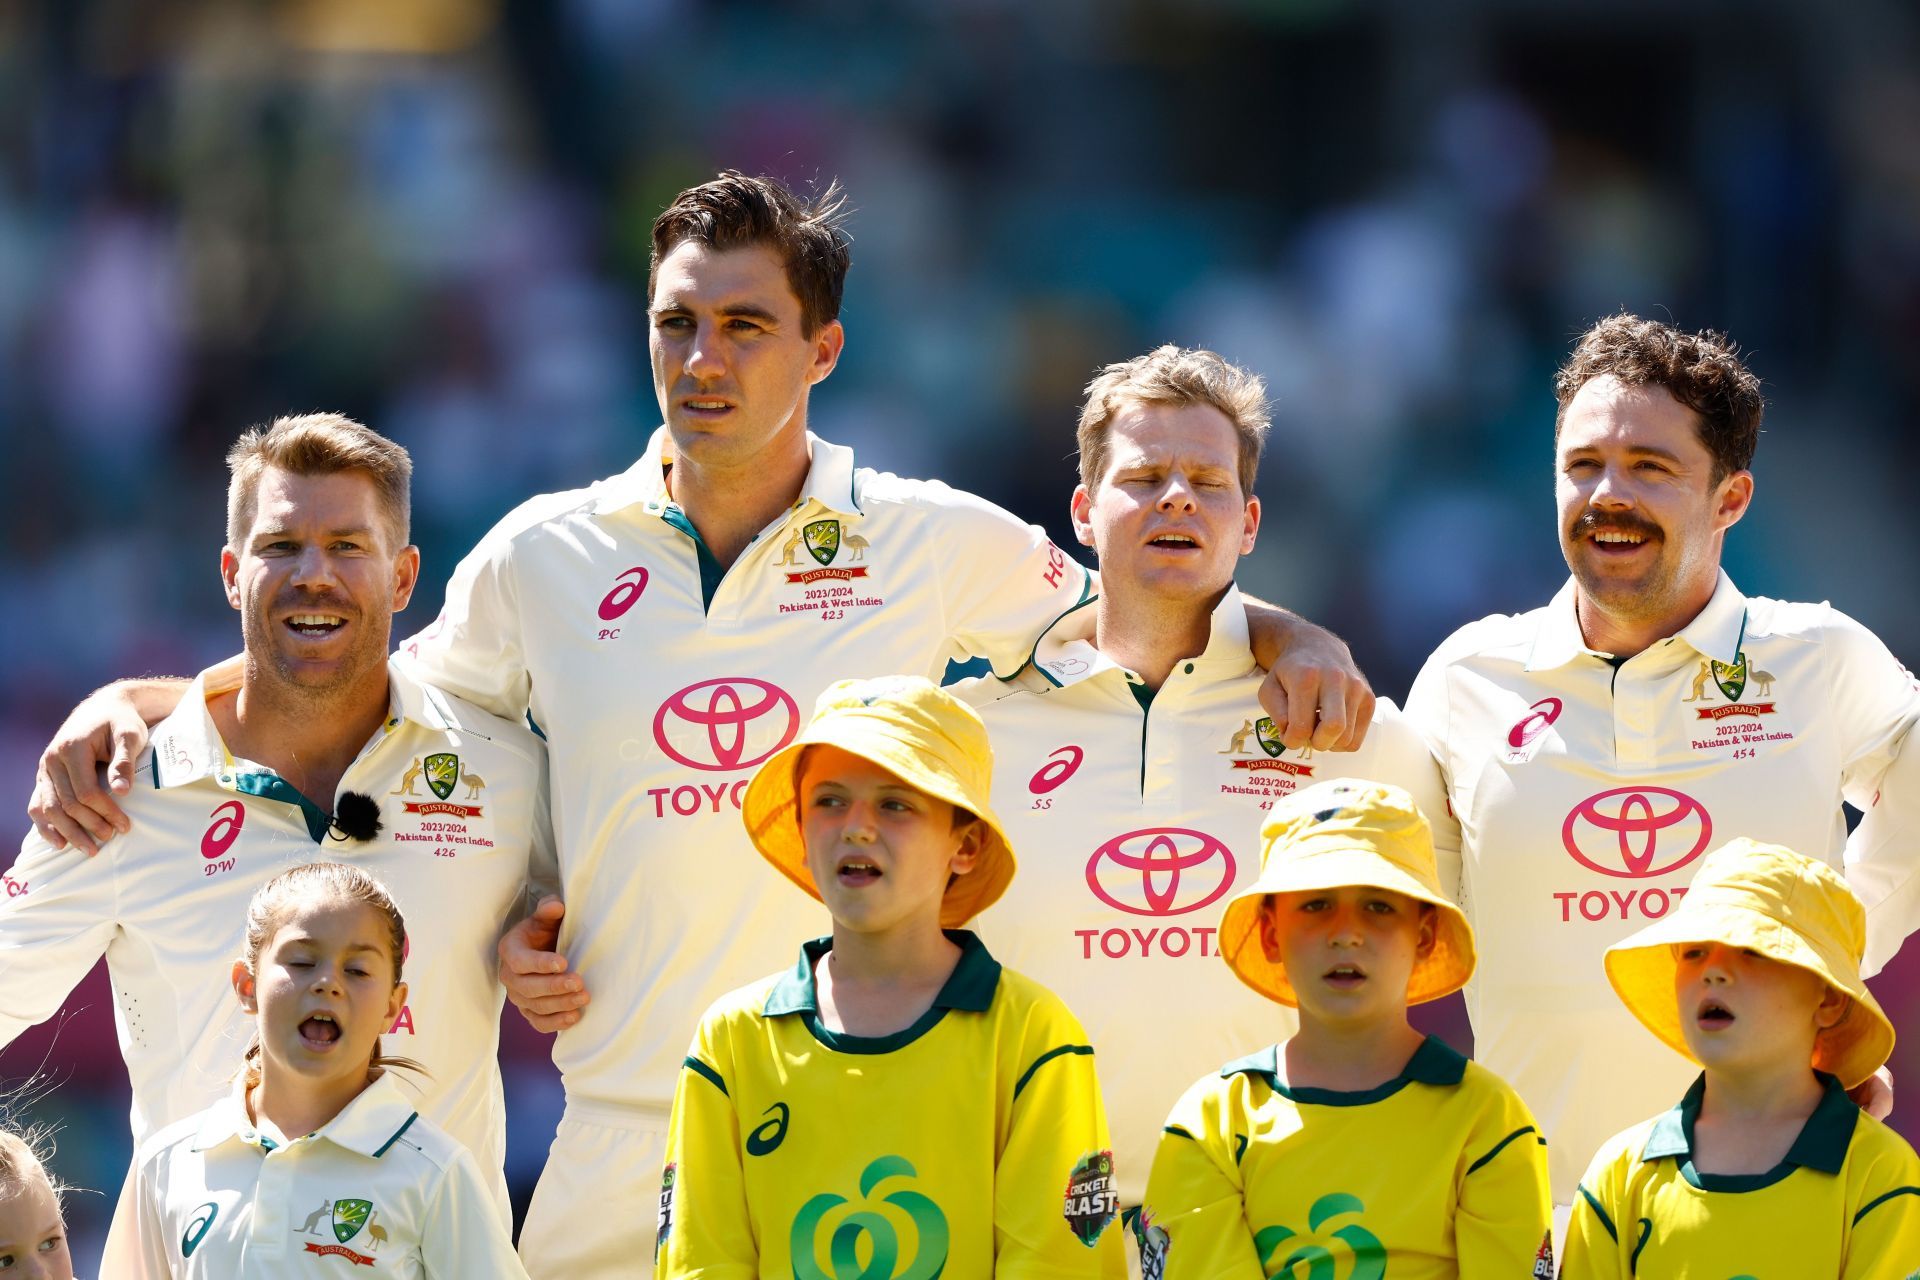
{"x": 432, "y": 215}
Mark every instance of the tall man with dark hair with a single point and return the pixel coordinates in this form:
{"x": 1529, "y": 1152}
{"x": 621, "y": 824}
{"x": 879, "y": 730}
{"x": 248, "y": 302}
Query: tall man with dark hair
{"x": 1594, "y": 749}
{"x": 663, "y": 629}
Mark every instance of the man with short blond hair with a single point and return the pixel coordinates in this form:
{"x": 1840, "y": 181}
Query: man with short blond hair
{"x": 1595, "y": 748}
{"x": 311, "y": 755}
{"x": 1132, "y": 758}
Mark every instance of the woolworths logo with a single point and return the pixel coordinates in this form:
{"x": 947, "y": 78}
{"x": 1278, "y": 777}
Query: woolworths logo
{"x": 901, "y": 1235}
{"x": 1349, "y": 1252}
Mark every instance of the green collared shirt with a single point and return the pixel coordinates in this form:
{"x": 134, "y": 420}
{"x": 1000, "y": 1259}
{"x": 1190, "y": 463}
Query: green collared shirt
{"x": 1844, "y": 1202}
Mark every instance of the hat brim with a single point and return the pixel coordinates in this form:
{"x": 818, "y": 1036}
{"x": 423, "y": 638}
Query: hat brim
{"x": 771, "y": 811}
{"x": 1441, "y": 972}
{"x": 1643, "y": 968}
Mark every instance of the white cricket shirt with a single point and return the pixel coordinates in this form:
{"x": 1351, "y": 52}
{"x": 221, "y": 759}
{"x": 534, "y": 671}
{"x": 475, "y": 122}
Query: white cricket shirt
{"x": 1134, "y": 817}
{"x": 1883, "y": 858}
{"x": 660, "y": 682}
{"x": 377, "y": 1187}
{"x": 463, "y": 808}
{"x": 1586, "y": 793}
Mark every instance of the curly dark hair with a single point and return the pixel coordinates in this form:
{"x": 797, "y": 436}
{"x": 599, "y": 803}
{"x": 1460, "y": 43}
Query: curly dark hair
{"x": 734, "y": 211}
{"x": 1701, "y": 370}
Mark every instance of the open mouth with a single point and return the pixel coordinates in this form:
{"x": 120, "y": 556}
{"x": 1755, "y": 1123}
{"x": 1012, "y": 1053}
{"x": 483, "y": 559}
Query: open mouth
{"x": 1344, "y": 977}
{"x": 314, "y": 626}
{"x": 1714, "y": 1016}
{"x": 320, "y": 1032}
{"x": 856, "y": 873}
{"x": 1174, "y": 542}
{"x": 706, "y": 406}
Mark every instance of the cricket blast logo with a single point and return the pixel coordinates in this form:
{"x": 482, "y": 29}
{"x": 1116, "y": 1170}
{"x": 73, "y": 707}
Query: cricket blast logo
{"x": 1092, "y": 1200}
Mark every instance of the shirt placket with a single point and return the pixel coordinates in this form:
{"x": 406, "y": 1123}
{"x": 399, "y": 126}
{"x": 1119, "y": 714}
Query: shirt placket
{"x": 272, "y": 1198}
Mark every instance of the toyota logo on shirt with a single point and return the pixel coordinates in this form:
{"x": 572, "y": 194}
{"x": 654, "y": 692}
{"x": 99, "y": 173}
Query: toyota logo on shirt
{"x": 734, "y": 722}
{"x": 1637, "y": 832}
{"x": 1161, "y": 871}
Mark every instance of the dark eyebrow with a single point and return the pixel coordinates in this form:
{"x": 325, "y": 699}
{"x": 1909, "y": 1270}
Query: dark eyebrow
{"x": 739, "y": 310}
{"x": 1637, "y": 450}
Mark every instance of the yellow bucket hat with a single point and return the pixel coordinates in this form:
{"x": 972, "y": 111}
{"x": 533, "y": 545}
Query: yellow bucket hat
{"x": 1333, "y": 835}
{"x": 923, "y": 736}
{"x": 1787, "y": 907}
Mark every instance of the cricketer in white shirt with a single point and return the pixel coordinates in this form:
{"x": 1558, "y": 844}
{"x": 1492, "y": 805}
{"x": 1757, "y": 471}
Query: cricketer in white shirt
{"x": 660, "y": 682}
{"x": 217, "y": 1197}
{"x": 1586, "y": 789}
{"x": 463, "y": 809}
{"x": 1135, "y": 814}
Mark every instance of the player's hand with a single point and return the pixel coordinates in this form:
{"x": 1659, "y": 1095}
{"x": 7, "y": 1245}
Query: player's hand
{"x": 1875, "y": 1094}
{"x": 73, "y": 803}
{"x": 1316, "y": 694}
{"x": 535, "y": 974}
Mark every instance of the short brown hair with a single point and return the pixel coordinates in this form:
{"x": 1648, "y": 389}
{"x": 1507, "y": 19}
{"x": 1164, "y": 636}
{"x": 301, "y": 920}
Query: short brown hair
{"x": 1701, "y": 370}
{"x": 735, "y": 211}
{"x": 304, "y": 885}
{"x": 318, "y": 444}
{"x": 1173, "y": 376}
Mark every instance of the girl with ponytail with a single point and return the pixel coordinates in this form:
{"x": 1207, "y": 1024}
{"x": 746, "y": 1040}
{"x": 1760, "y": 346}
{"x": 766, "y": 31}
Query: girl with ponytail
{"x": 318, "y": 1149}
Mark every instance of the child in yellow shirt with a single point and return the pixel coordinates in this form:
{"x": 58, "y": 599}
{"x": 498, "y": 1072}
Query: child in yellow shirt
{"x": 1358, "y": 1147}
{"x": 1766, "y": 1169}
{"x": 897, "y": 1104}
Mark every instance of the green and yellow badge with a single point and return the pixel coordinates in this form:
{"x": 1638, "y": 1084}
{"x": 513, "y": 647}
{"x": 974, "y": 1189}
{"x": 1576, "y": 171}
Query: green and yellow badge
{"x": 348, "y": 1217}
{"x": 443, "y": 772}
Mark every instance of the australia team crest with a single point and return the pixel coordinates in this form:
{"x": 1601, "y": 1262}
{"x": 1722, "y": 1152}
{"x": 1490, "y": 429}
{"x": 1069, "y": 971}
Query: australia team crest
{"x": 838, "y": 553}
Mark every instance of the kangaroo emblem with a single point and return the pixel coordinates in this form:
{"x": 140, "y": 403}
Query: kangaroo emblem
{"x": 1237, "y": 745}
{"x": 1700, "y": 684}
{"x": 790, "y": 549}
{"x": 474, "y": 782}
{"x": 857, "y": 545}
{"x": 407, "y": 779}
{"x": 318, "y": 1216}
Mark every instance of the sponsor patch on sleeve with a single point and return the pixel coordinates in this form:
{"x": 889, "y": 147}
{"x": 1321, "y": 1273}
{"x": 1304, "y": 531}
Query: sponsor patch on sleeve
{"x": 1154, "y": 1246}
{"x": 1543, "y": 1260}
{"x": 666, "y": 1209}
{"x": 1092, "y": 1202}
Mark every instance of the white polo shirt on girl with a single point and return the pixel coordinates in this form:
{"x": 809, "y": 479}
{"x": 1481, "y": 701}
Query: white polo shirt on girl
{"x": 1586, "y": 791}
{"x": 217, "y": 1197}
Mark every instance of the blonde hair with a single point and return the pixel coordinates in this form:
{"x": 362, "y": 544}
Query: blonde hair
{"x": 23, "y": 1157}
{"x": 1175, "y": 376}
{"x": 318, "y": 444}
{"x": 303, "y": 886}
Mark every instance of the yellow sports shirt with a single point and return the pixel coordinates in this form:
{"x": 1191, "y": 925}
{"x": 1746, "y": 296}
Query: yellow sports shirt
{"x": 1843, "y": 1205}
{"x": 971, "y": 1144}
{"x": 1439, "y": 1173}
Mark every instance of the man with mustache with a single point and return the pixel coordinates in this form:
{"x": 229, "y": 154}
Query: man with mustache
{"x": 1586, "y": 778}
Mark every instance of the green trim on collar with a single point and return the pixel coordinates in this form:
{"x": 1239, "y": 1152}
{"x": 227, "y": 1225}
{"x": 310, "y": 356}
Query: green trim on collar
{"x": 271, "y": 786}
{"x": 397, "y": 1133}
{"x": 710, "y": 570}
{"x": 970, "y": 988}
{"x": 1087, "y": 597}
{"x": 1434, "y": 1062}
{"x": 1821, "y": 1146}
